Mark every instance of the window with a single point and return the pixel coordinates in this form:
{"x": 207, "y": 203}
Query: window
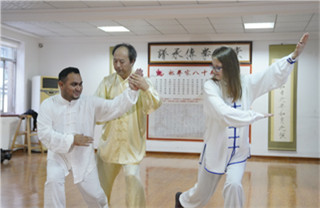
{"x": 8, "y": 56}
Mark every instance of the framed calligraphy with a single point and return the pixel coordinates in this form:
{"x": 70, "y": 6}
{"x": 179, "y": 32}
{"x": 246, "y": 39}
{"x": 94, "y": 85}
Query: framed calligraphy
{"x": 180, "y": 115}
{"x": 195, "y": 52}
{"x": 180, "y": 86}
{"x": 282, "y": 104}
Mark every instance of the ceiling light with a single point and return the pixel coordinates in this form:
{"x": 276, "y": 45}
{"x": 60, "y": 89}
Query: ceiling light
{"x": 262, "y": 25}
{"x": 114, "y": 29}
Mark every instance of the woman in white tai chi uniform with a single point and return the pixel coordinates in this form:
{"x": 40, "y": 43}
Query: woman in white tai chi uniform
{"x": 228, "y": 97}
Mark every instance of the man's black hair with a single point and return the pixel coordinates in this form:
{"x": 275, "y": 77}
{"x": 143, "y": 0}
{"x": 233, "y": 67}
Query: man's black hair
{"x": 64, "y": 73}
{"x": 132, "y": 51}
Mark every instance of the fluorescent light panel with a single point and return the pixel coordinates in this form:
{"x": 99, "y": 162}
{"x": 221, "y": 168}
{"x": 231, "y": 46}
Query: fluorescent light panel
{"x": 261, "y": 25}
{"x": 114, "y": 29}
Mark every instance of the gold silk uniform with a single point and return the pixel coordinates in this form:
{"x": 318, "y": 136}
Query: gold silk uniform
{"x": 123, "y": 140}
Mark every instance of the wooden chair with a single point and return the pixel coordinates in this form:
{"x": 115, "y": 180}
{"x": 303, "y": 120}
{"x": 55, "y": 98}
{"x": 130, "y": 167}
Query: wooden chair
{"x": 28, "y": 133}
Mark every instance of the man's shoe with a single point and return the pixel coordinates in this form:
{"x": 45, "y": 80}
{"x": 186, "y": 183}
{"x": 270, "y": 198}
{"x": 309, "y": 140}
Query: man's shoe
{"x": 178, "y": 205}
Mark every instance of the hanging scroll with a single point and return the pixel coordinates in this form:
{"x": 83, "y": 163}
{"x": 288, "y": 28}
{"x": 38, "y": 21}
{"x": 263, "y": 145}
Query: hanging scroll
{"x": 282, "y": 104}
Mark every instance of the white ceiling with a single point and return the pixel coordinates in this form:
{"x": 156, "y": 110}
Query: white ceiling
{"x": 47, "y": 19}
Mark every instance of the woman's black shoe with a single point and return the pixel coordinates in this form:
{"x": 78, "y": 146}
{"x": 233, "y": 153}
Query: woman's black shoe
{"x": 178, "y": 205}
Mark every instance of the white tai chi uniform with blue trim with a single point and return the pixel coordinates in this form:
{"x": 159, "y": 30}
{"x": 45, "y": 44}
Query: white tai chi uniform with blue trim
{"x": 226, "y": 139}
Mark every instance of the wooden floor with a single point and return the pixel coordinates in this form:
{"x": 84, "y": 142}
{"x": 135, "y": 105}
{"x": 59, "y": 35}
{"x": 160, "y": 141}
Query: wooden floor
{"x": 268, "y": 182}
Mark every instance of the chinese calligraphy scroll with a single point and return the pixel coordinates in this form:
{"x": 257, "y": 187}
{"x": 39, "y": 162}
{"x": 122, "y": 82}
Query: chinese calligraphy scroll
{"x": 282, "y": 104}
{"x": 180, "y": 88}
{"x": 194, "y": 52}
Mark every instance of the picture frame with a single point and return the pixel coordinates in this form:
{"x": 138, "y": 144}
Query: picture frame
{"x": 282, "y": 104}
{"x": 180, "y": 86}
{"x": 180, "y": 64}
{"x": 195, "y": 52}
{"x": 111, "y": 67}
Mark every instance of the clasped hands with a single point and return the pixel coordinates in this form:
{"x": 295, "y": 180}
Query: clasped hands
{"x": 136, "y": 81}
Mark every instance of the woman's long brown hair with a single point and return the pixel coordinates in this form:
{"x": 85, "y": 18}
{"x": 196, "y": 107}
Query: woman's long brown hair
{"x": 231, "y": 71}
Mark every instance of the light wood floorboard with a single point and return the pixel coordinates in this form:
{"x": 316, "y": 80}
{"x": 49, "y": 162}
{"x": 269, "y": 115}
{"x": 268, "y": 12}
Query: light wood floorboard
{"x": 267, "y": 182}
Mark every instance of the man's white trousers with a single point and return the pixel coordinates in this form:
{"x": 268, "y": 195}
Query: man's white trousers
{"x": 54, "y": 194}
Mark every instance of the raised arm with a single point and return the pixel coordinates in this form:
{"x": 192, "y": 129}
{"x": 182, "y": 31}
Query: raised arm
{"x": 300, "y": 45}
{"x": 106, "y": 110}
{"x": 277, "y": 74}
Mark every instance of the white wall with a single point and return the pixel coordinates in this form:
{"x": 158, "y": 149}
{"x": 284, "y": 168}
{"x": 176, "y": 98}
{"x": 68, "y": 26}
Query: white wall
{"x": 92, "y": 59}
{"x": 91, "y": 56}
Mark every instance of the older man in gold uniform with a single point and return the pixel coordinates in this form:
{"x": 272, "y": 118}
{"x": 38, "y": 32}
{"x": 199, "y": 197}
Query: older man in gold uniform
{"x": 123, "y": 141}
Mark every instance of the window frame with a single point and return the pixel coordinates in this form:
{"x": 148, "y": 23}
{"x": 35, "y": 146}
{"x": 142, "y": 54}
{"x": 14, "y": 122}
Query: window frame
{"x": 12, "y": 77}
